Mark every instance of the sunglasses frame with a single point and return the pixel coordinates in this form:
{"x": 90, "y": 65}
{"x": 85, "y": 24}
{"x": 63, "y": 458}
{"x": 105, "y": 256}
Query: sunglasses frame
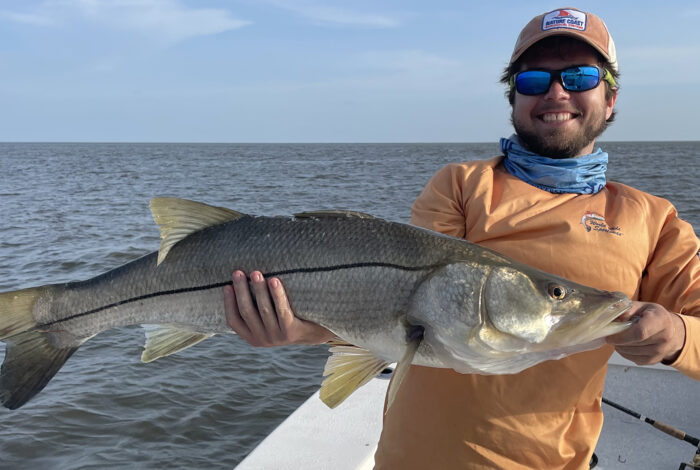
{"x": 603, "y": 74}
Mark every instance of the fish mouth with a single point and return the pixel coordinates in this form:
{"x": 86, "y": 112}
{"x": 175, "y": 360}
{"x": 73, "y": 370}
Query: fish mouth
{"x": 597, "y": 326}
{"x": 609, "y": 318}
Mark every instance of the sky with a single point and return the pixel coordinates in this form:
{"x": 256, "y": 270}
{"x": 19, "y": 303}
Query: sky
{"x": 314, "y": 70}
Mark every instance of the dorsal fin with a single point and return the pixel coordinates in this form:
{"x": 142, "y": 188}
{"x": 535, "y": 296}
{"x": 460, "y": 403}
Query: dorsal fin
{"x": 179, "y": 218}
{"x": 333, "y": 214}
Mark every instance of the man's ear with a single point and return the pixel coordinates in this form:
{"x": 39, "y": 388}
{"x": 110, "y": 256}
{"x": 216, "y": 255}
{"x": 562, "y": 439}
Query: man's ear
{"x": 610, "y": 104}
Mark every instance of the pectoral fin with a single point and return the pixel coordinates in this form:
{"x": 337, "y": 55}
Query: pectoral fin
{"x": 166, "y": 340}
{"x": 414, "y": 339}
{"x": 348, "y": 368}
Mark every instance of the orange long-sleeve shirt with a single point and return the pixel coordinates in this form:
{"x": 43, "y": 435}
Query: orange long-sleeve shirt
{"x": 548, "y": 416}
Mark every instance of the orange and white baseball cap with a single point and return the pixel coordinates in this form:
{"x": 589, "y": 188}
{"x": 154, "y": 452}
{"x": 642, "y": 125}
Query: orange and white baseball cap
{"x": 567, "y": 22}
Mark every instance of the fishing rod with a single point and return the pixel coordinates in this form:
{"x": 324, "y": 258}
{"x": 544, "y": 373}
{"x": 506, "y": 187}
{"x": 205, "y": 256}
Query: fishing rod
{"x": 670, "y": 430}
{"x": 663, "y": 427}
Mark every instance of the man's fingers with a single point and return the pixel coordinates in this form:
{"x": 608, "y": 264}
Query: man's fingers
{"x": 246, "y": 306}
{"x": 264, "y": 303}
{"x": 642, "y": 355}
{"x": 657, "y": 335}
{"x": 233, "y": 316}
{"x": 261, "y": 314}
{"x": 636, "y": 311}
{"x": 285, "y": 316}
{"x": 636, "y": 334}
{"x": 644, "y": 330}
{"x": 257, "y": 310}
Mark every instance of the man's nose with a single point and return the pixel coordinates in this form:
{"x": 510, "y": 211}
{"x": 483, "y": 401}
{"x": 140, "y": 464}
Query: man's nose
{"x": 556, "y": 92}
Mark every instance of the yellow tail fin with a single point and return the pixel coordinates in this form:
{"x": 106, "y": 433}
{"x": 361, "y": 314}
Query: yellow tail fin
{"x": 17, "y": 311}
{"x": 31, "y": 358}
{"x": 30, "y": 362}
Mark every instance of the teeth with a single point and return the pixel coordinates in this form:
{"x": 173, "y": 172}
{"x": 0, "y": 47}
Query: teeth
{"x": 550, "y": 117}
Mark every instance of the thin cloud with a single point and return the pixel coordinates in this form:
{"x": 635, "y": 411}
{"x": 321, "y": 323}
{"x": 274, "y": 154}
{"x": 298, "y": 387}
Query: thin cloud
{"x": 26, "y": 18}
{"x": 408, "y": 69}
{"x": 325, "y": 14}
{"x": 166, "y": 21}
{"x": 331, "y": 15}
{"x": 386, "y": 73}
{"x": 406, "y": 60}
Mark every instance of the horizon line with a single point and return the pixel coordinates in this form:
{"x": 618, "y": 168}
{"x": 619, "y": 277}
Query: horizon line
{"x": 303, "y": 142}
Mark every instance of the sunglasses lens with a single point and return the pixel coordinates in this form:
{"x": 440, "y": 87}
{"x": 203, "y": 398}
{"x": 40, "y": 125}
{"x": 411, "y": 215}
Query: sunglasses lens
{"x": 537, "y": 82}
{"x": 580, "y": 78}
{"x": 532, "y": 82}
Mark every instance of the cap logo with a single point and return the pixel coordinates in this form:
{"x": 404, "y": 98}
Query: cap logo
{"x": 566, "y": 19}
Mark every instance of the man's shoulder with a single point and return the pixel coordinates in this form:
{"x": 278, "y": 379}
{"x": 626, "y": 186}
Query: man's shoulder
{"x": 650, "y": 212}
{"x": 472, "y": 167}
{"x": 637, "y": 195}
{"x": 490, "y": 162}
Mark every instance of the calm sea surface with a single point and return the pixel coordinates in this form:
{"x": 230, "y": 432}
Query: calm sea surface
{"x": 72, "y": 211}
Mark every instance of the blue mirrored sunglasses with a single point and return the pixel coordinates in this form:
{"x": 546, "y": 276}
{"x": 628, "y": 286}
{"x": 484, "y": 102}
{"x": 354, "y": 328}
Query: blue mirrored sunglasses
{"x": 576, "y": 78}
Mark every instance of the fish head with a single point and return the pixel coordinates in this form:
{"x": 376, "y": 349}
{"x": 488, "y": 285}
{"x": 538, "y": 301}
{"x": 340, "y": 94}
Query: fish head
{"x": 532, "y": 310}
{"x": 503, "y": 317}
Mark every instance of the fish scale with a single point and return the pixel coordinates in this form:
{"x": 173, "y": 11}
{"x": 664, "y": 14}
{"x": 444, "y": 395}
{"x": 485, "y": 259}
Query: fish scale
{"x": 205, "y": 260}
{"x": 390, "y": 291}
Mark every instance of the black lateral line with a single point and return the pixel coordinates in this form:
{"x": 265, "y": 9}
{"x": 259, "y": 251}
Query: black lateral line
{"x": 228, "y": 283}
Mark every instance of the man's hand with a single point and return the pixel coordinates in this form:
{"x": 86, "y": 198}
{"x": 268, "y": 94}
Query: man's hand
{"x": 656, "y": 336}
{"x": 272, "y": 323}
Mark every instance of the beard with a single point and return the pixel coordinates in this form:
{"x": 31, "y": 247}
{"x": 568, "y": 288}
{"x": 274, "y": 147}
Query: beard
{"x": 556, "y": 143}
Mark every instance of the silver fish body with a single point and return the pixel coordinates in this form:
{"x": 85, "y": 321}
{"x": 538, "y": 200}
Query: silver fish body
{"x": 378, "y": 285}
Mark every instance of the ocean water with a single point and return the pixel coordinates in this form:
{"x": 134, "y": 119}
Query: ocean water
{"x": 72, "y": 211}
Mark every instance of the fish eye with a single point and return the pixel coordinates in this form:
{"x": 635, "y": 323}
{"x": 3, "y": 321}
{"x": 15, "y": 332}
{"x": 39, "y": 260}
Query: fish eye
{"x": 557, "y": 292}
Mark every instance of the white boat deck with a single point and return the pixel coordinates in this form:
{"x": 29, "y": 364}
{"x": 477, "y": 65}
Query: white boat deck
{"x": 315, "y": 437}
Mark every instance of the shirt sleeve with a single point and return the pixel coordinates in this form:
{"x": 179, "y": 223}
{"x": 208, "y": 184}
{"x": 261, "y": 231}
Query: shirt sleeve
{"x": 672, "y": 279}
{"x": 440, "y": 207}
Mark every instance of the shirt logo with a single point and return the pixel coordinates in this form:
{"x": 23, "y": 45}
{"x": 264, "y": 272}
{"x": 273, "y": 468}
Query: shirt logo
{"x": 566, "y": 19}
{"x": 596, "y": 223}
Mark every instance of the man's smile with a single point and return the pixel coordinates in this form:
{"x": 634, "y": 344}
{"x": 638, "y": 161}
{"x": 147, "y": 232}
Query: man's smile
{"x": 557, "y": 117}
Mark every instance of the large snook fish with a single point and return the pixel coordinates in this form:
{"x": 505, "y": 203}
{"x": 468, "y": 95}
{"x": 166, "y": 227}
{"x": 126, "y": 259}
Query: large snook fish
{"x": 389, "y": 291}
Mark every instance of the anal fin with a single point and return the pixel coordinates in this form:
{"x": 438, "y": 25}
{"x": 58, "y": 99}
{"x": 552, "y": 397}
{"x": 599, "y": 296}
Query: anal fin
{"x": 348, "y": 368}
{"x": 166, "y": 340}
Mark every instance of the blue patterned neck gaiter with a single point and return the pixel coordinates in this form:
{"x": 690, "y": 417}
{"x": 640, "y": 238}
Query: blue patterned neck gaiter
{"x": 582, "y": 175}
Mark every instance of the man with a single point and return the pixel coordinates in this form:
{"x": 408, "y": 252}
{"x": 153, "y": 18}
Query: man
{"x": 545, "y": 202}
